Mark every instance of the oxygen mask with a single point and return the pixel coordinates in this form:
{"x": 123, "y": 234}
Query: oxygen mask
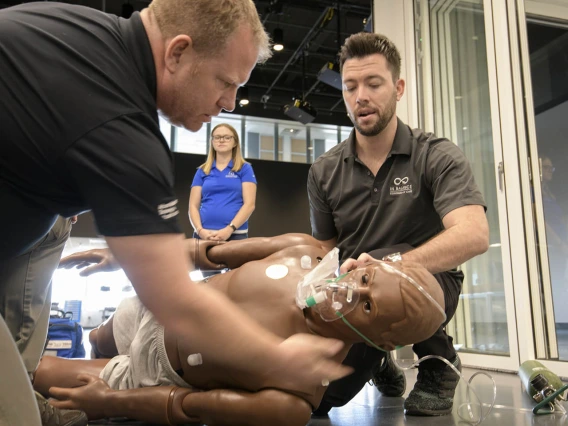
{"x": 327, "y": 294}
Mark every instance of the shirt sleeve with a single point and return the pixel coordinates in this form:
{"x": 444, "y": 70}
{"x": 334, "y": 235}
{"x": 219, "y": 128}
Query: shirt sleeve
{"x": 321, "y": 216}
{"x": 451, "y": 178}
{"x": 123, "y": 170}
{"x": 198, "y": 178}
{"x": 247, "y": 173}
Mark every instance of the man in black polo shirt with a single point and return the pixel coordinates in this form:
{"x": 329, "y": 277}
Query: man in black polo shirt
{"x": 79, "y": 130}
{"x": 406, "y": 194}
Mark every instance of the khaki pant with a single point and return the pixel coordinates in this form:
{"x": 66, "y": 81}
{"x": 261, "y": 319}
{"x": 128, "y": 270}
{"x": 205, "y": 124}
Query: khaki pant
{"x": 25, "y": 302}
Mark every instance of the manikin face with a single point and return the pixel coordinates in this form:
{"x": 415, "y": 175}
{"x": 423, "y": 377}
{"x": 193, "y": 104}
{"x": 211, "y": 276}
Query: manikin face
{"x": 382, "y": 304}
{"x": 369, "y": 93}
{"x": 223, "y": 140}
{"x": 194, "y": 88}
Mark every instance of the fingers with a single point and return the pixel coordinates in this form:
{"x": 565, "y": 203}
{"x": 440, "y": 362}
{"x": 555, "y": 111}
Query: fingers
{"x": 87, "y": 378}
{"x": 64, "y": 405}
{"x": 348, "y": 265}
{"x": 100, "y": 267}
{"x": 365, "y": 258}
{"x": 60, "y": 393}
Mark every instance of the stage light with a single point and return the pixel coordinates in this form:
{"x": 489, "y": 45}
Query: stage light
{"x": 278, "y": 38}
{"x": 301, "y": 111}
{"x": 329, "y": 75}
{"x": 243, "y": 96}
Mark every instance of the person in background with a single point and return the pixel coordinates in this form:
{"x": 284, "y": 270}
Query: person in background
{"x": 223, "y": 192}
{"x": 556, "y": 222}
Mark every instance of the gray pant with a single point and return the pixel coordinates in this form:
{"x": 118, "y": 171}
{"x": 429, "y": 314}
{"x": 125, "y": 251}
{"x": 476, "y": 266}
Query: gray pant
{"x": 25, "y": 302}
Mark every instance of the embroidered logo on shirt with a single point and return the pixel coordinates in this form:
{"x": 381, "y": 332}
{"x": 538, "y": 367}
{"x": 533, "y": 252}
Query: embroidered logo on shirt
{"x": 232, "y": 175}
{"x": 168, "y": 210}
{"x": 400, "y": 186}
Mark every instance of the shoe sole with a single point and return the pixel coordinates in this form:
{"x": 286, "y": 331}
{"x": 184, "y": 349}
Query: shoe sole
{"x": 427, "y": 413}
{"x": 398, "y": 395}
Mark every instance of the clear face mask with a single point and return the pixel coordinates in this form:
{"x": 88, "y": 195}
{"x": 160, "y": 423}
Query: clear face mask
{"x": 332, "y": 296}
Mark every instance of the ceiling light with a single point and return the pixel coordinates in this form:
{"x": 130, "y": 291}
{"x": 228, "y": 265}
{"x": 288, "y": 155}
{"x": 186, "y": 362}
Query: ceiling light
{"x": 243, "y": 96}
{"x": 278, "y": 38}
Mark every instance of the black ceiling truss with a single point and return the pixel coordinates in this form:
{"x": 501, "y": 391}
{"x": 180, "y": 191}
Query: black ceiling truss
{"x": 314, "y": 31}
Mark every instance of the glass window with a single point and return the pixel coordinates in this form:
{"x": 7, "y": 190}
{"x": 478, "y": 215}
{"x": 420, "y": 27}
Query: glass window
{"x": 462, "y": 113}
{"x": 99, "y": 293}
{"x": 166, "y": 129}
{"x": 192, "y": 142}
{"x": 259, "y": 138}
{"x": 292, "y": 142}
{"x": 323, "y": 138}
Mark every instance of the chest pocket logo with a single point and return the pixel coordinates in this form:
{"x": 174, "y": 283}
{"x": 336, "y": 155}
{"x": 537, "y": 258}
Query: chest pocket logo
{"x": 231, "y": 175}
{"x": 401, "y": 186}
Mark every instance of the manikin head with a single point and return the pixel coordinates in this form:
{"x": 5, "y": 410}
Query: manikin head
{"x": 390, "y": 311}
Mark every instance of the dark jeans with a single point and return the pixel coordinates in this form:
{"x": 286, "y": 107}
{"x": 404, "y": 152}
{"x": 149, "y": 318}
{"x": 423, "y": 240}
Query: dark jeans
{"x": 233, "y": 237}
{"x": 365, "y": 359}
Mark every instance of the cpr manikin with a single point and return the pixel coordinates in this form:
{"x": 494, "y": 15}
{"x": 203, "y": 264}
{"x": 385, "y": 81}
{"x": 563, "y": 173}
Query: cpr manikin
{"x": 267, "y": 277}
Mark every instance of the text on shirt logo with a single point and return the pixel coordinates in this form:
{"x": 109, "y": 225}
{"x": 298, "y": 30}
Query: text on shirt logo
{"x": 401, "y": 186}
{"x": 168, "y": 210}
{"x": 231, "y": 175}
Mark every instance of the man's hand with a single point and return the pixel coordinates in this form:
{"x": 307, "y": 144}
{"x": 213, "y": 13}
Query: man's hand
{"x": 103, "y": 261}
{"x": 351, "y": 264}
{"x": 90, "y": 398}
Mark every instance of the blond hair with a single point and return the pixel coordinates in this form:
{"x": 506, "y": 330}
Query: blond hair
{"x": 210, "y": 23}
{"x": 237, "y": 157}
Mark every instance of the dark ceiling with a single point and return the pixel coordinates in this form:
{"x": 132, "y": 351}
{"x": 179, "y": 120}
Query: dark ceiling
{"x": 311, "y": 29}
{"x": 313, "y": 32}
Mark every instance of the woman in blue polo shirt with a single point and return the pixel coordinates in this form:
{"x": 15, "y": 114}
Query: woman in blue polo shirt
{"x": 223, "y": 192}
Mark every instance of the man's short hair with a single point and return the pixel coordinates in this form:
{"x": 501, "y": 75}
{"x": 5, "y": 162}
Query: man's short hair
{"x": 210, "y": 23}
{"x": 361, "y": 45}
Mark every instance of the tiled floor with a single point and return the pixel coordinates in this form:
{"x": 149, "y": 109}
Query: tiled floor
{"x": 513, "y": 407}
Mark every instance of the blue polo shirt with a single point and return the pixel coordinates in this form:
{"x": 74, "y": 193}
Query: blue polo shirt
{"x": 222, "y": 195}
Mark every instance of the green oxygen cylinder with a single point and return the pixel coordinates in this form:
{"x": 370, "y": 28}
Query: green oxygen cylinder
{"x": 538, "y": 381}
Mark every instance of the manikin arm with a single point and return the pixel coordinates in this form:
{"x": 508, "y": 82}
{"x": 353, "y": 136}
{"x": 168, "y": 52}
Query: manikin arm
{"x": 173, "y": 405}
{"x": 204, "y": 254}
{"x": 236, "y": 253}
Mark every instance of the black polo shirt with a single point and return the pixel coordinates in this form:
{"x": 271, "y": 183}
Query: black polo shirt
{"x": 423, "y": 178}
{"x": 79, "y": 128}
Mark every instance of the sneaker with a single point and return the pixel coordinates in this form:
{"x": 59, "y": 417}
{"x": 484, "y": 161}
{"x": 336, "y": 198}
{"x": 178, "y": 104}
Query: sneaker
{"x": 389, "y": 379}
{"x": 51, "y": 416}
{"x": 433, "y": 393}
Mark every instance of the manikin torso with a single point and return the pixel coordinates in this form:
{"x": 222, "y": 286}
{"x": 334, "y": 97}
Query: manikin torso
{"x": 269, "y": 301}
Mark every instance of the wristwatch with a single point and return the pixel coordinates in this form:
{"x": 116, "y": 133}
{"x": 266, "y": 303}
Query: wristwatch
{"x": 233, "y": 226}
{"x": 393, "y": 257}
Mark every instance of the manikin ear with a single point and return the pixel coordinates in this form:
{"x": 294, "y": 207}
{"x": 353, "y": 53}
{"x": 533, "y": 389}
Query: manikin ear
{"x": 177, "y": 48}
{"x": 400, "y": 85}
